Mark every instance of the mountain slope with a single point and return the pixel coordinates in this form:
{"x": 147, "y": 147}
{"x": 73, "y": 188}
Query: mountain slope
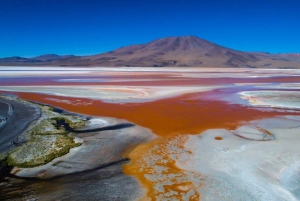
{"x": 174, "y": 51}
{"x": 171, "y": 51}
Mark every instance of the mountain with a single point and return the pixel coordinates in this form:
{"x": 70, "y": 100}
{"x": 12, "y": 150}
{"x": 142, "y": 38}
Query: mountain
{"x": 174, "y": 51}
{"x": 42, "y": 60}
{"x": 181, "y": 51}
{"x": 47, "y": 57}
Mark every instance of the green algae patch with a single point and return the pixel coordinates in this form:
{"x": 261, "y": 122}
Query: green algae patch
{"x": 74, "y": 122}
{"x": 47, "y": 139}
{"x": 47, "y": 127}
{"x": 41, "y": 150}
{"x": 48, "y": 113}
{"x": 50, "y": 126}
{"x": 3, "y": 157}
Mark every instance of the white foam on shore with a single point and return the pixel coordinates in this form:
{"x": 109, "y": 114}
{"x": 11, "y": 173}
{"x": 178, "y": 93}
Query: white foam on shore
{"x": 97, "y": 123}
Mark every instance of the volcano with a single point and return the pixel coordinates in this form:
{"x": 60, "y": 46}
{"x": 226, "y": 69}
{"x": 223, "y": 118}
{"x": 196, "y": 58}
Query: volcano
{"x": 183, "y": 51}
{"x": 175, "y": 51}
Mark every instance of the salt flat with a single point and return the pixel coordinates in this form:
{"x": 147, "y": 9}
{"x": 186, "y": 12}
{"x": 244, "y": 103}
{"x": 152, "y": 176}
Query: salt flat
{"x": 222, "y": 134}
{"x": 126, "y": 94}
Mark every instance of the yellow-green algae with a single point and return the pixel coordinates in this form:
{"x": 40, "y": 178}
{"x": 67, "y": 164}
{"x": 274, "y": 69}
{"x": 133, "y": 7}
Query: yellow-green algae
{"x": 41, "y": 150}
{"x": 45, "y": 140}
{"x": 3, "y": 157}
{"x": 47, "y": 127}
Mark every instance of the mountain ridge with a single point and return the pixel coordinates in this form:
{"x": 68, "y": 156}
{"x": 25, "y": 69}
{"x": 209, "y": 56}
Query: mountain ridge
{"x": 177, "y": 51}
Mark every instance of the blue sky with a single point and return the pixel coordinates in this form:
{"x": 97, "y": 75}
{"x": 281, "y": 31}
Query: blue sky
{"x": 84, "y": 27}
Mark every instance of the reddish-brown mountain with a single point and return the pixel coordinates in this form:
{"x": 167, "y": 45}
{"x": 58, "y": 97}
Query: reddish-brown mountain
{"x": 172, "y": 51}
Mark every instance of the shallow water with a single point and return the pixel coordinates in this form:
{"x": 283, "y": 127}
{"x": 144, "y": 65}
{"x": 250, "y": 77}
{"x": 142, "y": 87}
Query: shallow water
{"x": 171, "y": 118}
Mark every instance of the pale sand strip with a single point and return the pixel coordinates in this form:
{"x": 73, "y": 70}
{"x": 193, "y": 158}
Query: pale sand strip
{"x": 119, "y": 94}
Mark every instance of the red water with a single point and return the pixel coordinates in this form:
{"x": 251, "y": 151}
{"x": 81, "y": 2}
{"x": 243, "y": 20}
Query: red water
{"x": 184, "y": 114}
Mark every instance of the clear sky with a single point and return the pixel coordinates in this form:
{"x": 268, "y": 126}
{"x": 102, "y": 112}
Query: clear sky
{"x": 84, "y": 27}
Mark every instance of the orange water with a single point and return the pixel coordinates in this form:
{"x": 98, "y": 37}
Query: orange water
{"x": 168, "y": 118}
{"x": 178, "y": 115}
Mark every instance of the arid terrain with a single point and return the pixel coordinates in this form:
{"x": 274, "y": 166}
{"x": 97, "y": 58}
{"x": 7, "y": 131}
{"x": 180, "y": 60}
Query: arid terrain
{"x": 184, "y": 51}
{"x": 154, "y": 134}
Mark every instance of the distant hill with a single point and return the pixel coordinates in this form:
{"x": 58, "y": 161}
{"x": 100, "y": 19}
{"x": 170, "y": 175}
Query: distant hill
{"x": 47, "y": 57}
{"x": 184, "y": 51}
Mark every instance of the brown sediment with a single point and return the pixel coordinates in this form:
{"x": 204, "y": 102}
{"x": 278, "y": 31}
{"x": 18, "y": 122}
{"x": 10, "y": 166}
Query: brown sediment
{"x": 146, "y": 161}
{"x": 264, "y": 131}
